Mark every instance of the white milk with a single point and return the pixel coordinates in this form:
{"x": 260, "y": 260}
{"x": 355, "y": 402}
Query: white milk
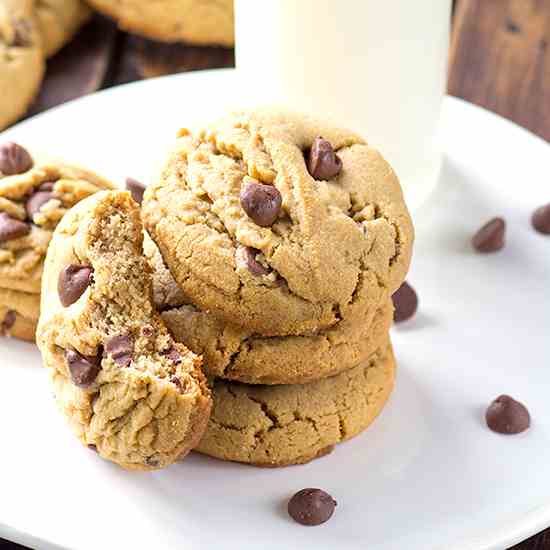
{"x": 375, "y": 66}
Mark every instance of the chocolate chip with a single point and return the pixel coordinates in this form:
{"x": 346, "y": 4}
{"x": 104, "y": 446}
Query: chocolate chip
{"x": 541, "y": 219}
{"x": 247, "y": 255}
{"x": 121, "y": 347}
{"x": 83, "y": 368}
{"x": 311, "y": 507}
{"x": 8, "y": 321}
{"x": 177, "y": 382}
{"x": 153, "y": 462}
{"x": 12, "y": 228}
{"x": 490, "y": 238}
{"x": 323, "y": 163}
{"x": 92, "y": 447}
{"x": 173, "y": 354}
{"x": 148, "y": 331}
{"x": 261, "y": 202}
{"x": 46, "y": 186}
{"x": 405, "y": 302}
{"x": 73, "y": 280}
{"x": 507, "y": 416}
{"x": 136, "y": 189}
{"x": 23, "y": 34}
{"x": 14, "y": 159}
{"x": 36, "y": 201}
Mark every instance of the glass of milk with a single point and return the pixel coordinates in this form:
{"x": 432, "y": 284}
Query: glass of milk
{"x": 375, "y": 66}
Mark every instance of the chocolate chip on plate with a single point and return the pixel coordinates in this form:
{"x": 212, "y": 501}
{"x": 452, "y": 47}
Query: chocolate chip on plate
{"x": 311, "y": 507}
{"x": 14, "y": 159}
{"x": 8, "y": 321}
{"x": 323, "y": 163}
{"x": 246, "y": 255}
{"x": 261, "y": 202}
{"x": 83, "y": 368}
{"x": 490, "y": 237}
{"x": 36, "y": 201}
{"x": 136, "y": 189}
{"x": 405, "y": 302}
{"x": 12, "y": 228}
{"x": 541, "y": 219}
{"x": 121, "y": 347}
{"x": 73, "y": 280}
{"x": 507, "y": 416}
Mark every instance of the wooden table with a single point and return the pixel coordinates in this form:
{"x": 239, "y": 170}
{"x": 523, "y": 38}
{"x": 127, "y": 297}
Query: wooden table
{"x": 500, "y": 60}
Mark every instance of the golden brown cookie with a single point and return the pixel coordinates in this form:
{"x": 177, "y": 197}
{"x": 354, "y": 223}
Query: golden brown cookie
{"x": 233, "y": 353}
{"x": 34, "y": 196}
{"x": 19, "y": 312}
{"x": 193, "y": 21}
{"x": 124, "y": 385}
{"x": 59, "y": 20}
{"x": 21, "y": 59}
{"x": 279, "y": 231}
{"x": 283, "y": 425}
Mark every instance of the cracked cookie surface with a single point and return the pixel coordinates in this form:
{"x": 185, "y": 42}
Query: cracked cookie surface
{"x": 193, "y": 21}
{"x": 127, "y": 389}
{"x": 21, "y": 59}
{"x": 283, "y": 425}
{"x": 59, "y": 20}
{"x": 34, "y": 196}
{"x": 336, "y": 250}
{"x": 233, "y": 353}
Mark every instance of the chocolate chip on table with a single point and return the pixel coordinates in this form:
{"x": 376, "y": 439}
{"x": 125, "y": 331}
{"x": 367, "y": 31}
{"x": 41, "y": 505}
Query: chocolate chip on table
{"x": 311, "y": 507}
{"x": 8, "y": 321}
{"x": 36, "y": 201}
{"x": 83, "y": 368}
{"x": 507, "y": 416}
{"x": 247, "y": 256}
{"x": 14, "y": 159}
{"x": 405, "y": 302}
{"x": 12, "y": 228}
{"x": 136, "y": 189}
{"x": 261, "y": 202}
{"x": 323, "y": 163}
{"x": 541, "y": 219}
{"x": 490, "y": 237}
{"x": 73, "y": 281}
{"x": 121, "y": 347}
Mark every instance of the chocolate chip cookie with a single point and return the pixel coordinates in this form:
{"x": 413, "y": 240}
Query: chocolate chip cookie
{"x": 19, "y": 312}
{"x": 126, "y": 388}
{"x": 34, "y": 196}
{"x": 21, "y": 59}
{"x": 233, "y": 353}
{"x": 280, "y": 224}
{"x": 193, "y": 21}
{"x": 59, "y": 20}
{"x": 283, "y": 425}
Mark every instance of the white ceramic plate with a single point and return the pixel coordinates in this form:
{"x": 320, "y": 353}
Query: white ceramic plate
{"x": 428, "y": 474}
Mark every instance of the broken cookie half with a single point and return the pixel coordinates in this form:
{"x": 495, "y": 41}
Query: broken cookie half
{"x": 127, "y": 389}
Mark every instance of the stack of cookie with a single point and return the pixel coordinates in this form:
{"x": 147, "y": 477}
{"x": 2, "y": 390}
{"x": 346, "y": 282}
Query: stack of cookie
{"x": 34, "y": 196}
{"x": 277, "y": 242}
{"x": 31, "y": 31}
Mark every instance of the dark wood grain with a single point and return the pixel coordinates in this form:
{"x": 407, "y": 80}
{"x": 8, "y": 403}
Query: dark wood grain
{"x": 80, "y": 68}
{"x": 500, "y": 59}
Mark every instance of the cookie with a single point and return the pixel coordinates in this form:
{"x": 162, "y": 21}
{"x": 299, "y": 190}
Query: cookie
{"x": 34, "y": 196}
{"x": 59, "y": 20}
{"x": 19, "y": 312}
{"x": 283, "y": 425}
{"x": 194, "y": 21}
{"x": 21, "y": 59}
{"x": 125, "y": 386}
{"x": 232, "y": 353}
{"x": 336, "y": 250}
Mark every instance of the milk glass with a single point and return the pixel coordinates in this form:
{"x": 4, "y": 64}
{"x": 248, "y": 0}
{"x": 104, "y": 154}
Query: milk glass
{"x": 375, "y": 66}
